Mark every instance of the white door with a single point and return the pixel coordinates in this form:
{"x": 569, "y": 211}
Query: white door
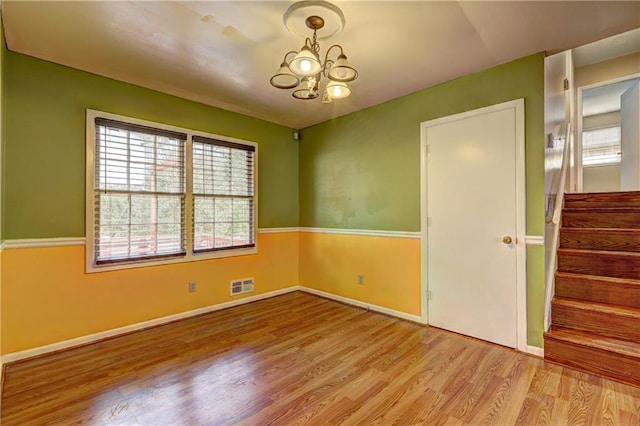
{"x": 475, "y": 201}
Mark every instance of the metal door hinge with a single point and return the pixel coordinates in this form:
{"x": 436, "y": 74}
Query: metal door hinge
{"x": 565, "y": 84}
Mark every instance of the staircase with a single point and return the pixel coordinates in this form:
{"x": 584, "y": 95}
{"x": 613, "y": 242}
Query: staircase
{"x": 595, "y": 313}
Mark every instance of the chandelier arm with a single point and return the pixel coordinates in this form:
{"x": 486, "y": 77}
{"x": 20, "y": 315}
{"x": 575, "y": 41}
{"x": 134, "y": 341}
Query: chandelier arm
{"x": 287, "y": 54}
{"x": 326, "y": 65}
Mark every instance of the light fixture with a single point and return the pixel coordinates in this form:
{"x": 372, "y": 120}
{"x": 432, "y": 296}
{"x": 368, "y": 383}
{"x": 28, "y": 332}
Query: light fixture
{"x": 338, "y": 90}
{"x": 303, "y": 70}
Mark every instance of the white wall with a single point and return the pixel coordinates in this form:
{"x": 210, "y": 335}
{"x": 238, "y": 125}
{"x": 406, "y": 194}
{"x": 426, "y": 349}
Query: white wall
{"x": 601, "y": 178}
{"x": 630, "y": 122}
{"x": 601, "y": 120}
{"x": 608, "y": 70}
{"x": 555, "y": 120}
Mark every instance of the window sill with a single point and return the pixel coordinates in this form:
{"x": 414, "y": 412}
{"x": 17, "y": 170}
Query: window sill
{"x": 90, "y": 268}
{"x": 590, "y": 166}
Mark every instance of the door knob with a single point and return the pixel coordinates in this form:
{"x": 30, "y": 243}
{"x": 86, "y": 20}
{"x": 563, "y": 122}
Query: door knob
{"x": 507, "y": 239}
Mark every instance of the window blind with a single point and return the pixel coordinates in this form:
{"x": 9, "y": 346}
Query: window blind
{"x": 601, "y": 146}
{"x": 223, "y": 195}
{"x": 140, "y": 191}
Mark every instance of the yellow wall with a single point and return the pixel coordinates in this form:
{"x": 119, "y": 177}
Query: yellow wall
{"x": 52, "y": 299}
{"x": 391, "y": 266}
{"x": 33, "y": 278}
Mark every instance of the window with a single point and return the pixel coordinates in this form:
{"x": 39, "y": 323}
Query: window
{"x": 222, "y": 195}
{"x": 601, "y": 146}
{"x": 160, "y": 194}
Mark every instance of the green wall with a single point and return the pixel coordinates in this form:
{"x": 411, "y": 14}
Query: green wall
{"x": 44, "y": 162}
{"x": 3, "y": 54}
{"x": 362, "y": 171}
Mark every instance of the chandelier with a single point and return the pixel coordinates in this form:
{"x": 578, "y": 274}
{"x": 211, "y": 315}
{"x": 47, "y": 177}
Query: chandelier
{"x": 303, "y": 70}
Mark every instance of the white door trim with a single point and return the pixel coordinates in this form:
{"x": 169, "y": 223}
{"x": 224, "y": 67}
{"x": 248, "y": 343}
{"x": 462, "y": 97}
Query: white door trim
{"x": 521, "y": 251}
{"x": 577, "y": 139}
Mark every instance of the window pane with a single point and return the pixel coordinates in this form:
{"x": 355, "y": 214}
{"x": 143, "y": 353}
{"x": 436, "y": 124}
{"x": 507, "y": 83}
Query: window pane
{"x": 135, "y": 161}
{"x": 223, "y": 194}
{"x": 139, "y": 192}
{"x": 113, "y": 209}
{"x": 241, "y": 210}
{"x": 601, "y": 146}
{"x": 241, "y": 233}
{"x": 223, "y": 236}
{"x": 223, "y": 211}
{"x": 143, "y": 208}
{"x": 139, "y": 225}
{"x": 203, "y": 236}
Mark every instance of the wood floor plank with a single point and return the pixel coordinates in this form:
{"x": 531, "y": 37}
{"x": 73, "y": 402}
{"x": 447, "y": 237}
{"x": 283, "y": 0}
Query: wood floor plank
{"x": 298, "y": 359}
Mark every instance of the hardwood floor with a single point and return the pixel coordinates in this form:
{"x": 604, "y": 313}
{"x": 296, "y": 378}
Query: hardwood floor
{"x": 301, "y": 359}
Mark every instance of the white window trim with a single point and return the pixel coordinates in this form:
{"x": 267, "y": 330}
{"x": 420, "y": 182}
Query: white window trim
{"x": 90, "y": 198}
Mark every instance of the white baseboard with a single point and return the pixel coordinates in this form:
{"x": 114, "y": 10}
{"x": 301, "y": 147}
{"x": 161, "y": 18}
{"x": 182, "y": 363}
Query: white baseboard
{"x": 534, "y": 350}
{"x": 66, "y": 344}
{"x": 15, "y": 356}
{"x": 348, "y": 301}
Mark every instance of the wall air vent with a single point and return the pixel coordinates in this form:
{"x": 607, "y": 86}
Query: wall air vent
{"x": 244, "y": 285}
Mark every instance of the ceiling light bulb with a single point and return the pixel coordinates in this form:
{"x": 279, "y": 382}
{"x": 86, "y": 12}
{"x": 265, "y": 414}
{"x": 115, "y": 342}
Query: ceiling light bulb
{"x": 305, "y": 65}
{"x": 338, "y": 90}
{"x": 342, "y": 70}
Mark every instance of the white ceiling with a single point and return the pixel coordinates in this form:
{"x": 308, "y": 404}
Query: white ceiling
{"x": 223, "y": 53}
{"x": 602, "y": 99}
{"x": 609, "y": 48}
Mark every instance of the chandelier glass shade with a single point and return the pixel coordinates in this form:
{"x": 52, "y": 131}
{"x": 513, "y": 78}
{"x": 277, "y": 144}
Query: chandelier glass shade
{"x": 305, "y": 72}
{"x": 338, "y": 90}
{"x": 305, "y": 63}
{"x": 284, "y": 78}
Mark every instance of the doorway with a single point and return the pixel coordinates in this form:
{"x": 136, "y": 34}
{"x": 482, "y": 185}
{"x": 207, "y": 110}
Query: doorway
{"x": 473, "y": 223}
{"x": 601, "y": 165}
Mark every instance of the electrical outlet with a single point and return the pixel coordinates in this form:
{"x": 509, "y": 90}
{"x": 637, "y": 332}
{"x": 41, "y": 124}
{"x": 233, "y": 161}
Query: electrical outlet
{"x": 361, "y": 279}
{"x": 192, "y": 286}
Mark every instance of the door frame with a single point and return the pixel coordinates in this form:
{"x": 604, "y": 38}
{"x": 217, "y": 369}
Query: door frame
{"x": 521, "y": 251}
{"x": 577, "y": 137}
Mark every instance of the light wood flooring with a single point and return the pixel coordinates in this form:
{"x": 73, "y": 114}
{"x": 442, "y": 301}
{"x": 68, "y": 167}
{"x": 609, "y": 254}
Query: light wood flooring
{"x": 300, "y": 359}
